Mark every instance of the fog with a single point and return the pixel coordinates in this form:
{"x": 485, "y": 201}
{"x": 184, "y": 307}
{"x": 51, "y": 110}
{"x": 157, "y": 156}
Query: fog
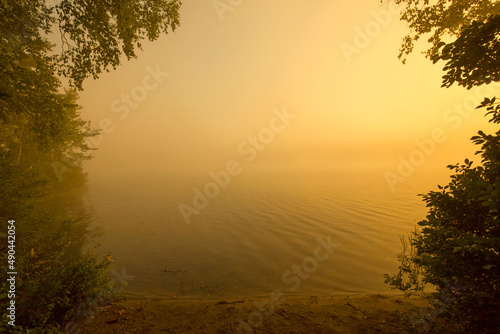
{"x": 193, "y": 97}
{"x": 312, "y": 124}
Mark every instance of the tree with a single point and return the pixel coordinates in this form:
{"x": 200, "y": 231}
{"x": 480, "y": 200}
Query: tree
{"x": 94, "y": 34}
{"x": 40, "y": 124}
{"x": 36, "y": 115}
{"x": 35, "y": 112}
{"x": 474, "y": 57}
{"x": 457, "y": 248}
{"x": 441, "y": 19}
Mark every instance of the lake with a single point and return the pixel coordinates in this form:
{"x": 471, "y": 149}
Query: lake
{"x": 259, "y": 234}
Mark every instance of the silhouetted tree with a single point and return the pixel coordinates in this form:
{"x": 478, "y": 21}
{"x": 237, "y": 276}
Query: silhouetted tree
{"x": 40, "y": 123}
{"x": 94, "y": 34}
{"x": 457, "y": 249}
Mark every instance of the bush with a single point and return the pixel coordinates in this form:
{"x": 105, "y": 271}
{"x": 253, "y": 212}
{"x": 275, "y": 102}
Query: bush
{"x": 457, "y": 249}
{"x": 54, "y": 284}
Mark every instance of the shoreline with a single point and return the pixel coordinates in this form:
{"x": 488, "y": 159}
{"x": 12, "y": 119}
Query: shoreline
{"x": 278, "y": 313}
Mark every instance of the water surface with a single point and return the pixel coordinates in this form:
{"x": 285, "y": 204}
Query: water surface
{"x": 254, "y": 232}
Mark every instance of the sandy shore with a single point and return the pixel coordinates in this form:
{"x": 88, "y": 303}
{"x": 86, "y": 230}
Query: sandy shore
{"x": 272, "y": 314}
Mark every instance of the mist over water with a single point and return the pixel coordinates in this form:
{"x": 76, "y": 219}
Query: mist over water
{"x": 319, "y": 172}
{"x": 251, "y": 236}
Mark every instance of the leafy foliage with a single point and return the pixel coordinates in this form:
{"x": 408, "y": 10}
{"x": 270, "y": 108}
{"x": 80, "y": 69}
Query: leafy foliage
{"x": 95, "y": 33}
{"x": 37, "y": 121}
{"x": 440, "y": 19}
{"x": 457, "y": 249}
{"x": 52, "y": 281}
{"x": 474, "y": 58}
{"x": 409, "y": 277}
{"x": 40, "y": 124}
{"x": 459, "y": 243}
{"x": 53, "y": 276}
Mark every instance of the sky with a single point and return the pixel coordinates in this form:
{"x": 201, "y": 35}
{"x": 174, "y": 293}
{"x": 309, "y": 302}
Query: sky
{"x": 284, "y": 84}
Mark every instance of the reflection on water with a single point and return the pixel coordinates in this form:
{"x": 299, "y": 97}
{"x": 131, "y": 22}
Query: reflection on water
{"x": 259, "y": 234}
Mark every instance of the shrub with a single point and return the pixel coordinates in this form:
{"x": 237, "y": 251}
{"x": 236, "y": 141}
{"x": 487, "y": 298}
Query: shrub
{"x": 457, "y": 249}
{"x": 54, "y": 283}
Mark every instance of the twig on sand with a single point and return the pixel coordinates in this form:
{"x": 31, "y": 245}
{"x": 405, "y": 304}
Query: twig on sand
{"x": 225, "y": 302}
{"x": 354, "y": 307}
{"x": 173, "y": 271}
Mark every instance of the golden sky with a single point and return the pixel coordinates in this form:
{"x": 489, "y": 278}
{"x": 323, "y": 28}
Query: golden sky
{"x": 233, "y": 65}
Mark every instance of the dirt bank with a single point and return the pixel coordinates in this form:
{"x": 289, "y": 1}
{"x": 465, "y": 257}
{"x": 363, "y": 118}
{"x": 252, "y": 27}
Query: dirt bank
{"x": 274, "y": 314}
